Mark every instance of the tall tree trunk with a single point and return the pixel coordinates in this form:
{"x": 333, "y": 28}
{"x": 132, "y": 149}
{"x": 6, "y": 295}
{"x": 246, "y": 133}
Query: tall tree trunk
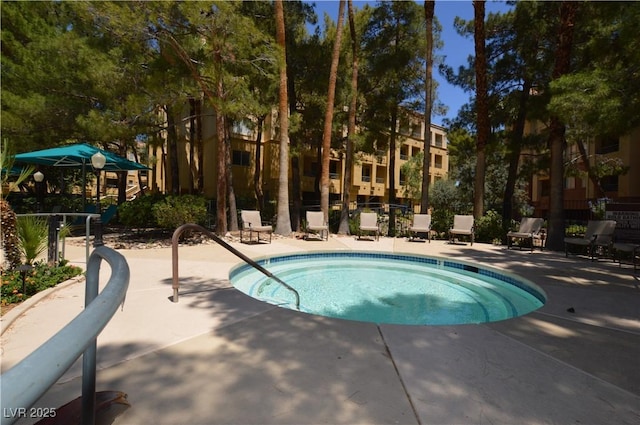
{"x": 429, "y": 8}
{"x": 296, "y": 189}
{"x": 122, "y": 187}
{"x": 318, "y": 171}
{"x": 294, "y": 153}
{"x": 584, "y": 156}
{"x": 192, "y": 137}
{"x": 233, "y": 209}
{"x": 139, "y": 174}
{"x": 221, "y": 186}
{"x": 346, "y": 188}
{"x": 514, "y": 156}
{"x": 257, "y": 175}
{"x": 200, "y": 146}
{"x": 328, "y": 119}
{"x": 283, "y": 224}
{"x": 392, "y": 171}
{"x": 555, "y": 240}
{"x": 172, "y": 141}
{"x": 482, "y": 108}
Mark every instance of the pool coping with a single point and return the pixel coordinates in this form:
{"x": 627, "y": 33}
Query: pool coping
{"x": 435, "y": 262}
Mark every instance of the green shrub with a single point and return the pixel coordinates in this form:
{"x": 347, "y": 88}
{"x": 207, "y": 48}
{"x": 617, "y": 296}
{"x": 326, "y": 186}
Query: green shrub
{"x": 33, "y": 233}
{"x": 575, "y": 230}
{"x": 139, "y": 212}
{"x": 446, "y": 201}
{"x": 175, "y": 211}
{"x": 442, "y": 220}
{"x": 38, "y": 279}
{"x": 488, "y": 228}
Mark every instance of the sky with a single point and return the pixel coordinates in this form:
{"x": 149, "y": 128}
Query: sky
{"x": 456, "y": 48}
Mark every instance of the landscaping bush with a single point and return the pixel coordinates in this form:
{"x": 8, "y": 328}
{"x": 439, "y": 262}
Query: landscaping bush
{"x": 575, "y": 230}
{"x": 38, "y": 279}
{"x": 489, "y": 228}
{"x": 446, "y": 201}
{"x": 139, "y": 212}
{"x": 174, "y": 211}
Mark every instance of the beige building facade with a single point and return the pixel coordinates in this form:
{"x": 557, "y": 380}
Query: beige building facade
{"x": 370, "y": 171}
{"x": 580, "y": 193}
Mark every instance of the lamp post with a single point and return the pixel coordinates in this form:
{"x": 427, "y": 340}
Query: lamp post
{"x": 39, "y": 178}
{"x": 97, "y": 161}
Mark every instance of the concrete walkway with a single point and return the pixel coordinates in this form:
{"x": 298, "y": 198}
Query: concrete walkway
{"x": 220, "y": 357}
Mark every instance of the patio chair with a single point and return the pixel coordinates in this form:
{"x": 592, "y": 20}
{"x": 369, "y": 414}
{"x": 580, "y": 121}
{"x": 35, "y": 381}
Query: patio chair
{"x": 317, "y": 225}
{"x": 530, "y": 229}
{"x": 421, "y": 224}
{"x": 369, "y": 223}
{"x": 627, "y": 252}
{"x": 598, "y": 237}
{"x": 252, "y": 223}
{"x": 462, "y": 225}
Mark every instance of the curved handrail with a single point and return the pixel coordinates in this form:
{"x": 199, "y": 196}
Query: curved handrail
{"x": 174, "y": 258}
{"x": 27, "y": 381}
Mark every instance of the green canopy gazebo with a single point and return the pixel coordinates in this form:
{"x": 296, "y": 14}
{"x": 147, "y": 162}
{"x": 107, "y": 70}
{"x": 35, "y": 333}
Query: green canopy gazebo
{"x": 77, "y": 156}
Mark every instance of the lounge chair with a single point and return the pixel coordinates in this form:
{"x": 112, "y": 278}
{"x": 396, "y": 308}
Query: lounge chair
{"x": 369, "y": 223}
{"x": 421, "y": 224}
{"x": 462, "y": 225}
{"x": 530, "y": 229}
{"x": 316, "y": 224}
{"x": 627, "y": 252}
{"x": 252, "y": 223}
{"x": 599, "y": 236}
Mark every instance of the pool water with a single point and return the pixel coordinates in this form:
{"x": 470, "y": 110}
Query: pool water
{"x": 390, "y": 288}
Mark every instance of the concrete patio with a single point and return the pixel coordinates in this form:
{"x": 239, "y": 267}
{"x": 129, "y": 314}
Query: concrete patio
{"x": 218, "y": 356}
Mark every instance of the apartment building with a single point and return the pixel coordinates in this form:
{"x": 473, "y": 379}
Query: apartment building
{"x": 580, "y": 193}
{"x": 370, "y": 172}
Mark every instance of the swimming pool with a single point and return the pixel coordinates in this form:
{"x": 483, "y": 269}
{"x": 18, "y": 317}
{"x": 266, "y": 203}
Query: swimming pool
{"x": 390, "y": 288}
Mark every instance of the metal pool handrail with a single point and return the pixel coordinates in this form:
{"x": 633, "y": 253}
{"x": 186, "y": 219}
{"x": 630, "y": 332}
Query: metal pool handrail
{"x": 174, "y": 258}
{"x": 26, "y": 382}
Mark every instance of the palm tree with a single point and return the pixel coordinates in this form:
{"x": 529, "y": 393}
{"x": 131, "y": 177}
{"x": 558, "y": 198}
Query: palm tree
{"x": 568, "y": 12}
{"x": 328, "y": 119}
{"x": 283, "y": 223}
{"x": 344, "y": 215}
{"x": 482, "y": 107}
{"x": 429, "y": 9}
{"x": 10, "y": 240}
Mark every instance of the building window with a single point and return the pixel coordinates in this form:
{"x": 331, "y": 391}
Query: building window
{"x": 607, "y": 144}
{"x": 366, "y": 173}
{"x": 403, "y": 178}
{"x": 545, "y": 187}
{"x": 310, "y": 168}
{"x": 404, "y": 128}
{"x": 111, "y": 182}
{"x": 439, "y": 141}
{"x": 381, "y": 172}
{"x": 242, "y": 127}
{"x": 333, "y": 170}
{"x": 404, "y": 152}
{"x": 609, "y": 183}
{"x": 242, "y": 158}
{"x": 570, "y": 183}
{"x": 437, "y": 161}
{"x": 416, "y": 131}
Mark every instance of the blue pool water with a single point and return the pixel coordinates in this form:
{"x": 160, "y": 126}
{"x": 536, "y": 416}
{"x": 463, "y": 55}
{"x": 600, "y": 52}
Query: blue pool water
{"x": 390, "y": 288}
